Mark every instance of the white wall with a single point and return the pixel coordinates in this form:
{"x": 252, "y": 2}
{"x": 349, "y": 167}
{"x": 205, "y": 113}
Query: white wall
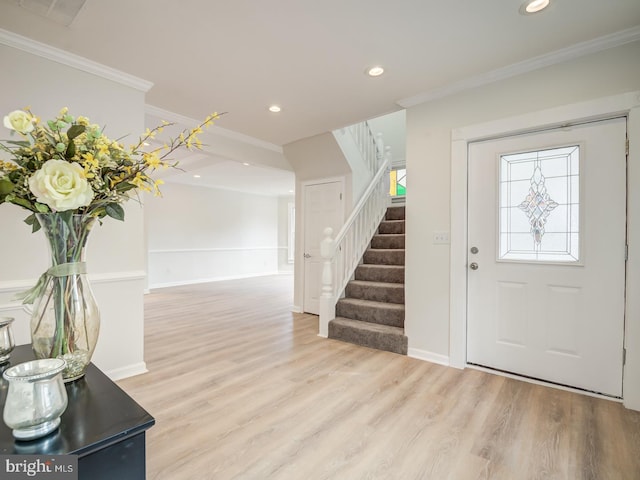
{"x": 429, "y": 130}
{"x": 198, "y": 234}
{"x": 115, "y": 254}
{"x": 394, "y": 134}
{"x": 284, "y": 265}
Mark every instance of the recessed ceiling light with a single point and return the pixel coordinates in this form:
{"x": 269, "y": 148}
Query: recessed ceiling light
{"x": 275, "y": 109}
{"x": 196, "y": 176}
{"x": 375, "y": 71}
{"x": 533, "y": 6}
{"x": 246, "y": 164}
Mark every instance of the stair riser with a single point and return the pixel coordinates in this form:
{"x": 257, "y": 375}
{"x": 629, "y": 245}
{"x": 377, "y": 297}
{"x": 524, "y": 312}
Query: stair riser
{"x": 387, "y": 241}
{"x": 379, "y": 341}
{"x": 395, "y": 213}
{"x": 372, "y": 273}
{"x": 391, "y": 227}
{"x": 383, "y": 316}
{"x": 376, "y": 293}
{"x": 384, "y": 257}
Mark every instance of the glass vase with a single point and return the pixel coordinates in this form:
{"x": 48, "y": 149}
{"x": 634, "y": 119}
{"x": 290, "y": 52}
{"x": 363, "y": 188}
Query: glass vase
{"x": 65, "y": 322}
{"x": 6, "y": 339}
{"x": 35, "y": 399}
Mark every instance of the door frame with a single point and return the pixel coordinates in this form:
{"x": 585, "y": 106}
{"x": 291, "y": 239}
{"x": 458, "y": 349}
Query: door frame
{"x": 627, "y": 104}
{"x": 299, "y": 254}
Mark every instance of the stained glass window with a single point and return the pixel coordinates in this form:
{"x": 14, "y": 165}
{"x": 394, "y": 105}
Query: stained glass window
{"x": 539, "y": 205}
{"x": 398, "y": 182}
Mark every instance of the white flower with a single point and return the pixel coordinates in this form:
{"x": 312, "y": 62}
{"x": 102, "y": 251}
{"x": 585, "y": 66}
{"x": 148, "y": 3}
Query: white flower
{"x": 19, "y": 121}
{"x": 61, "y": 185}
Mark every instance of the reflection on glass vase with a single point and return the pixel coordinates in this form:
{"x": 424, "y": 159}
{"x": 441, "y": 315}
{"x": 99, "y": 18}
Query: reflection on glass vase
{"x": 65, "y": 321}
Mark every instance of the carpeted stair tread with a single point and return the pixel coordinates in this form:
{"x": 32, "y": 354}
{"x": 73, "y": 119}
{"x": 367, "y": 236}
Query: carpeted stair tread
{"x": 376, "y": 291}
{"x": 372, "y": 335}
{"x": 384, "y": 256}
{"x": 391, "y": 226}
{"x": 371, "y": 311}
{"x": 388, "y": 240}
{"x": 380, "y": 273}
{"x": 395, "y": 213}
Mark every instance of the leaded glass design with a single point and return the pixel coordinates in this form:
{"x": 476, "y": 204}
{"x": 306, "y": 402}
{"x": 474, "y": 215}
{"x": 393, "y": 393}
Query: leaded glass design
{"x": 539, "y": 205}
{"x": 398, "y": 182}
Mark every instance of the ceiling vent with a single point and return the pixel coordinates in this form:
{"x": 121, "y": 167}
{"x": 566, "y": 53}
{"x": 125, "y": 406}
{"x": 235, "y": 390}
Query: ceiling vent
{"x": 60, "y": 11}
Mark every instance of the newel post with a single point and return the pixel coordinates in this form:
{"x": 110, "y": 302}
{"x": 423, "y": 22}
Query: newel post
{"x": 327, "y": 300}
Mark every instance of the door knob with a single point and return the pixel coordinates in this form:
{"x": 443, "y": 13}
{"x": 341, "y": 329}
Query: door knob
{"x": 306, "y": 255}
{"x": 473, "y": 266}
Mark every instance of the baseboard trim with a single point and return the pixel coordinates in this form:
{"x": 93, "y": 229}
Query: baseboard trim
{"x": 429, "y": 356}
{"x": 126, "y": 372}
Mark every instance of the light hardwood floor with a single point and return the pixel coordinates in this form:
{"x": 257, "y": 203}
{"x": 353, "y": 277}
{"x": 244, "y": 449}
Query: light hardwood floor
{"x": 241, "y": 388}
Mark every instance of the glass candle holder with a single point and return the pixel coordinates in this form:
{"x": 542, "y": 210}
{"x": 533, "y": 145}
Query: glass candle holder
{"x": 6, "y": 339}
{"x": 36, "y": 398}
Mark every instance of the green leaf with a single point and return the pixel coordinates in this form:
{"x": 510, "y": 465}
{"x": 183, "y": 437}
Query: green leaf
{"x": 33, "y": 221}
{"x": 42, "y": 208}
{"x": 124, "y": 187}
{"x": 6, "y": 186}
{"x": 71, "y": 149}
{"x": 75, "y": 131}
{"x": 20, "y": 201}
{"x": 66, "y": 216}
{"x": 20, "y": 143}
{"x": 115, "y": 210}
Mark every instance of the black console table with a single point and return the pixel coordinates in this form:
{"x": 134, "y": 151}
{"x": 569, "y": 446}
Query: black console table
{"x": 103, "y": 425}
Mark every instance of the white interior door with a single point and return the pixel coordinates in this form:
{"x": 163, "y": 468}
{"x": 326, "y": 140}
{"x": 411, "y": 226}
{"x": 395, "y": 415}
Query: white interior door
{"x": 546, "y": 238}
{"x": 322, "y": 208}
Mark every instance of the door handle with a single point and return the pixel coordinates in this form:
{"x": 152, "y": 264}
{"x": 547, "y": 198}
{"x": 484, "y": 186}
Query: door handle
{"x": 306, "y": 255}
{"x": 473, "y": 266}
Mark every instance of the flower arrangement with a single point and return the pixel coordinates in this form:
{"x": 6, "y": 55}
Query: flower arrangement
{"x": 69, "y": 174}
{"x": 69, "y": 165}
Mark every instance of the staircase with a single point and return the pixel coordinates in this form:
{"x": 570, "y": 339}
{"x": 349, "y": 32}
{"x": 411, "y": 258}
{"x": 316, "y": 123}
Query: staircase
{"x": 372, "y": 312}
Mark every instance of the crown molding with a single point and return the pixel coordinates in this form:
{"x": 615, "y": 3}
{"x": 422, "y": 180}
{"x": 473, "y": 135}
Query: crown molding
{"x": 563, "y": 55}
{"x": 72, "y": 60}
{"x": 183, "y": 120}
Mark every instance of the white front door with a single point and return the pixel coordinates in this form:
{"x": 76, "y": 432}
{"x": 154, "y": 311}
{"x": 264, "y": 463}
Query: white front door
{"x": 546, "y": 258}
{"x": 322, "y": 208}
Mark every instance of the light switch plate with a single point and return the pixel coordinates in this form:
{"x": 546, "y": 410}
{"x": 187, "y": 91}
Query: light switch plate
{"x": 441, "y": 238}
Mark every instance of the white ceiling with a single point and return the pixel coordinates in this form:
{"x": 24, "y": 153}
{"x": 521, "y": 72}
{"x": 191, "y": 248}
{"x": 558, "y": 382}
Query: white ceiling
{"x": 309, "y": 56}
{"x": 211, "y": 172}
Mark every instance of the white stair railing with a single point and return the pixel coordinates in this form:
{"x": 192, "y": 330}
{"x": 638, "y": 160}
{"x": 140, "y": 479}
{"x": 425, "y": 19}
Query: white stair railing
{"x": 341, "y": 255}
{"x": 370, "y": 145}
